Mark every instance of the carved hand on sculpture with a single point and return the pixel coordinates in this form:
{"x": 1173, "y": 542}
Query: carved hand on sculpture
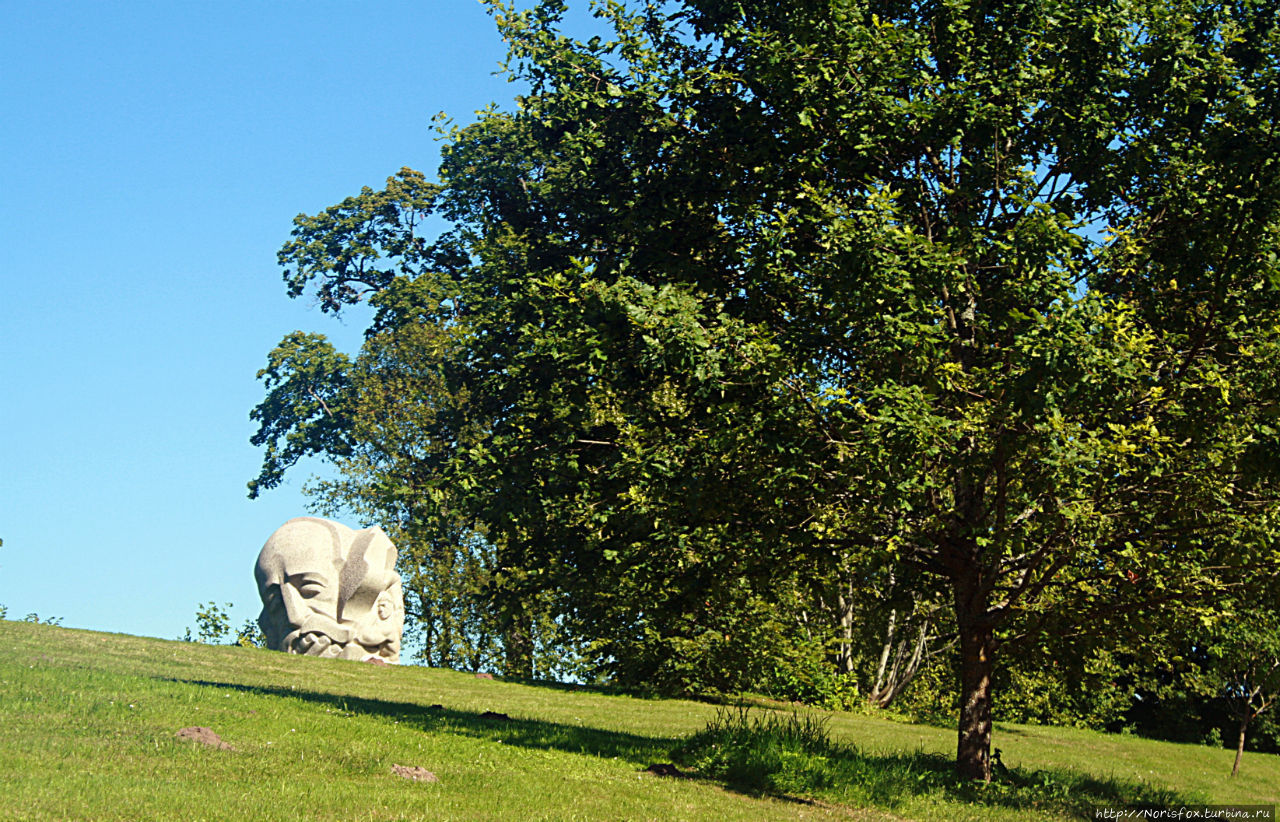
{"x": 314, "y": 640}
{"x": 330, "y": 591}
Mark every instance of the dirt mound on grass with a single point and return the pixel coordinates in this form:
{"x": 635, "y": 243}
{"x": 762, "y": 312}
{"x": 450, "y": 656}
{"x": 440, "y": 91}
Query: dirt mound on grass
{"x": 416, "y": 773}
{"x": 205, "y": 736}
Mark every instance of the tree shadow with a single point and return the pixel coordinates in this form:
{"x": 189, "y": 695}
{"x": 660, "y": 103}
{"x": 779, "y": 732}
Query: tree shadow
{"x": 490, "y": 725}
{"x": 1009, "y": 730}
{"x": 843, "y": 775}
{"x": 795, "y": 755}
{"x": 1053, "y": 790}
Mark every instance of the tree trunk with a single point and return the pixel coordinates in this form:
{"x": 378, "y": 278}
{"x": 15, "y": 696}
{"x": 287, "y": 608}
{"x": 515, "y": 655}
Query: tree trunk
{"x": 890, "y": 632}
{"x": 845, "y": 604}
{"x": 517, "y": 641}
{"x": 892, "y": 679}
{"x": 1244, "y": 726}
{"x": 973, "y": 751}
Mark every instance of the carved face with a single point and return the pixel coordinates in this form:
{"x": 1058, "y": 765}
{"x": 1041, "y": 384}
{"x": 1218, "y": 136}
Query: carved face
{"x": 378, "y": 629}
{"x": 330, "y": 591}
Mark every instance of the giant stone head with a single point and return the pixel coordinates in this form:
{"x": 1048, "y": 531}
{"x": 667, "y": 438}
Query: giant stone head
{"x": 330, "y": 591}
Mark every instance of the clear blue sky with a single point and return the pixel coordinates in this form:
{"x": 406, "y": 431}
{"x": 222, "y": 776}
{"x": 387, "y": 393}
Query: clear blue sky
{"x": 152, "y": 157}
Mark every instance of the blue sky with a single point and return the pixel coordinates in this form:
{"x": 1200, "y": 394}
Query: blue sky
{"x": 152, "y": 157}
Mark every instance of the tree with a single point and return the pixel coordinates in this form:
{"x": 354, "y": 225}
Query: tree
{"x": 751, "y": 294}
{"x": 1253, "y": 687}
{"x": 1220, "y": 679}
{"x": 375, "y": 419}
{"x": 1241, "y": 654}
{"x": 909, "y": 639}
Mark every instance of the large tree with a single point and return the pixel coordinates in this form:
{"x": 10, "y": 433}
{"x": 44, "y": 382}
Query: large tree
{"x": 750, "y": 299}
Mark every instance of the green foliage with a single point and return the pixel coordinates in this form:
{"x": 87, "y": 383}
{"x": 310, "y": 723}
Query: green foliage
{"x": 933, "y": 696}
{"x": 752, "y": 300}
{"x": 212, "y": 624}
{"x": 35, "y": 618}
{"x": 1083, "y": 693}
{"x": 1080, "y": 682}
{"x": 250, "y": 635}
{"x": 4, "y": 612}
{"x": 1221, "y": 684}
{"x": 811, "y": 679}
{"x": 304, "y": 411}
{"x": 769, "y": 752}
{"x": 213, "y": 627}
{"x": 1242, "y": 651}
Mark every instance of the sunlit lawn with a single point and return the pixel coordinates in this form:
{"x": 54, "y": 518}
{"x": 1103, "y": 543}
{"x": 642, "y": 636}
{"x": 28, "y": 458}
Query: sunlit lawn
{"x": 88, "y": 723}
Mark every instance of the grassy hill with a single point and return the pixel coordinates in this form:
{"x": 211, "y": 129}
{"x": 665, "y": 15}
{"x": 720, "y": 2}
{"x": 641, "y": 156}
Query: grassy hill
{"x": 88, "y": 725}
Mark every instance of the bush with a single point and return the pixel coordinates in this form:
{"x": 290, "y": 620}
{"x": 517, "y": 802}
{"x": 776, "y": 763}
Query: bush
{"x": 250, "y": 635}
{"x": 932, "y": 696}
{"x": 813, "y": 680}
{"x": 1083, "y": 693}
{"x": 35, "y": 618}
{"x": 770, "y": 753}
{"x": 212, "y": 624}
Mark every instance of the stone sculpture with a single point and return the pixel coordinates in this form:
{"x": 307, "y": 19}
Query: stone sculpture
{"x": 328, "y": 590}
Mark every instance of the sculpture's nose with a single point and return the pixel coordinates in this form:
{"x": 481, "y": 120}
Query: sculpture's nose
{"x": 295, "y": 607}
{"x": 312, "y": 614}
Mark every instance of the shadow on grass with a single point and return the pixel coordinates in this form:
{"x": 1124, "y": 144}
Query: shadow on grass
{"x": 490, "y": 725}
{"x": 1009, "y": 730}
{"x": 791, "y": 758}
{"x": 886, "y": 779}
{"x": 795, "y": 755}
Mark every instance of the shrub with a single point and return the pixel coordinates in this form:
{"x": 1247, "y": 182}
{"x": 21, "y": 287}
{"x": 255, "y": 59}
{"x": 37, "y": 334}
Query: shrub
{"x": 212, "y": 624}
{"x": 768, "y": 753}
{"x": 250, "y": 635}
{"x": 35, "y": 618}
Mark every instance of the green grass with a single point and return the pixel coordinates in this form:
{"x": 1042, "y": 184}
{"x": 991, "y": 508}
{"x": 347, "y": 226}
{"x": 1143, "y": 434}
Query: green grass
{"x": 796, "y": 755}
{"x": 87, "y": 724}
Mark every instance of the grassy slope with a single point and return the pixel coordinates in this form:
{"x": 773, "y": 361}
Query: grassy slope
{"x": 87, "y": 724}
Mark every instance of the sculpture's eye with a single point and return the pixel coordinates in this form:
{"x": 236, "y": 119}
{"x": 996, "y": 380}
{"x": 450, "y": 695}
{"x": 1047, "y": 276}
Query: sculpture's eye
{"x": 271, "y": 596}
{"x": 310, "y": 588}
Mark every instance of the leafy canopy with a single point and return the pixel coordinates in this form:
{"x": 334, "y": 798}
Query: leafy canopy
{"x": 748, "y": 301}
